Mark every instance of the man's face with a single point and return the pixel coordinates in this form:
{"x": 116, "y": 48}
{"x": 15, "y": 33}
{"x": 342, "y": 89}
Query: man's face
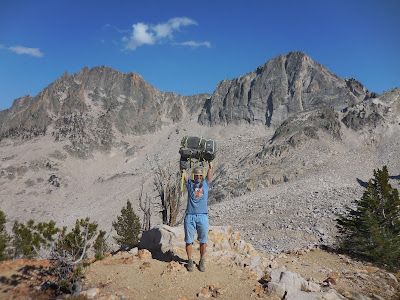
{"x": 198, "y": 176}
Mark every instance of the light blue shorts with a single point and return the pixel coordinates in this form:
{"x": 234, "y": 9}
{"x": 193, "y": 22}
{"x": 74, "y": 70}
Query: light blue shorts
{"x": 195, "y": 222}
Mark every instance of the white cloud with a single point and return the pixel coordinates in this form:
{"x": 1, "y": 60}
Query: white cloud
{"x": 176, "y": 23}
{"x": 140, "y": 36}
{"x": 163, "y": 30}
{"x": 144, "y": 34}
{"x": 195, "y": 44}
{"x": 24, "y": 50}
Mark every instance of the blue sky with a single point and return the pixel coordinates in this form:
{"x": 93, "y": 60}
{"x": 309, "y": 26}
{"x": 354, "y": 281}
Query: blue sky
{"x": 188, "y": 46}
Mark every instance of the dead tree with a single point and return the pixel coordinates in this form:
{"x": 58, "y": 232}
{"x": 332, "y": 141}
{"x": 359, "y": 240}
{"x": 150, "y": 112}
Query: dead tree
{"x": 167, "y": 183}
{"x": 146, "y": 208}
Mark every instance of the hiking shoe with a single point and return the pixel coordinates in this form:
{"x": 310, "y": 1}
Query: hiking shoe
{"x": 201, "y": 265}
{"x": 190, "y": 265}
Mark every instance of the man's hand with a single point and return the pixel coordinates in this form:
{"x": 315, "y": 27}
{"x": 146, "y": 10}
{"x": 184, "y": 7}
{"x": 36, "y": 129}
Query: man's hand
{"x": 210, "y": 171}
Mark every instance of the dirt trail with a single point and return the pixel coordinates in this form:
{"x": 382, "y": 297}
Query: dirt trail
{"x": 147, "y": 278}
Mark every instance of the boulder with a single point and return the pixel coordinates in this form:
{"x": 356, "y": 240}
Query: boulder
{"x": 276, "y": 289}
{"x": 163, "y": 239}
{"x": 293, "y": 285}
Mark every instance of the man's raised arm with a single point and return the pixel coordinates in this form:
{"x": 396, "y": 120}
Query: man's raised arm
{"x": 210, "y": 171}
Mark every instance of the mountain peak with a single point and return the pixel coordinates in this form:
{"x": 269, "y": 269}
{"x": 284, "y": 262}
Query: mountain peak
{"x": 90, "y": 108}
{"x": 283, "y": 86}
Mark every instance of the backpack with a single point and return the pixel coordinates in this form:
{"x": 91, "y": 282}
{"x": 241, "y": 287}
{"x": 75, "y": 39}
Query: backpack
{"x": 193, "y": 147}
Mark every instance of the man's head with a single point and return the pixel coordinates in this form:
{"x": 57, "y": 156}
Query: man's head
{"x": 198, "y": 174}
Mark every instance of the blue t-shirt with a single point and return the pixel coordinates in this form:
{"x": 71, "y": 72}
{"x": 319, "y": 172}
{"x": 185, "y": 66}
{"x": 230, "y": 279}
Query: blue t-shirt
{"x": 197, "y": 197}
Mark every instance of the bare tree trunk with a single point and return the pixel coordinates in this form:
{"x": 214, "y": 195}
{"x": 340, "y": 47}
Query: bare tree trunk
{"x": 146, "y": 208}
{"x": 167, "y": 182}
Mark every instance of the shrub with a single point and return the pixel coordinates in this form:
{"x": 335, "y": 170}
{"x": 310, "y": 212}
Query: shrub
{"x": 30, "y": 238}
{"x": 73, "y": 243}
{"x": 371, "y": 230}
{"x": 127, "y": 227}
{"x": 67, "y": 250}
{"x": 4, "y": 238}
{"x": 70, "y": 252}
{"x": 100, "y": 245}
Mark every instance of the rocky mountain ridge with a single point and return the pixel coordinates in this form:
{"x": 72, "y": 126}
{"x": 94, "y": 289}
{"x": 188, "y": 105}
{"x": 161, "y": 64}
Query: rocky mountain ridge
{"x": 125, "y": 103}
{"x": 93, "y": 107}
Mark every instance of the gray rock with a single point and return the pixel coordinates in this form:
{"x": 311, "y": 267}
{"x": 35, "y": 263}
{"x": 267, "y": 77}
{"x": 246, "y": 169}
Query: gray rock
{"x": 276, "y": 289}
{"x": 162, "y": 239}
{"x": 134, "y": 251}
{"x": 309, "y": 286}
{"x": 285, "y": 85}
{"x": 77, "y": 288}
{"x": 299, "y": 295}
{"x": 291, "y": 280}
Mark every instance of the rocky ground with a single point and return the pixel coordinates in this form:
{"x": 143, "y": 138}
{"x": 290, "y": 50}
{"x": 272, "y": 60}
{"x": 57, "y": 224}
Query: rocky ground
{"x": 133, "y": 275}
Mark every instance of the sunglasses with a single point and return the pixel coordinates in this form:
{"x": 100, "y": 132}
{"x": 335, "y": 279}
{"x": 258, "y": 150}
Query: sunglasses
{"x": 198, "y": 175}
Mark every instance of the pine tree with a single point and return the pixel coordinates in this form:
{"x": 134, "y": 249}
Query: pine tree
{"x": 127, "y": 227}
{"x": 371, "y": 230}
{"x": 100, "y": 245}
{"x": 74, "y": 242}
{"x": 4, "y": 238}
{"x": 70, "y": 252}
{"x": 30, "y": 237}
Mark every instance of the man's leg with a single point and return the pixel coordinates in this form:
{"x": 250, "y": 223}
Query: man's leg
{"x": 203, "y": 247}
{"x": 202, "y": 253}
{"x": 202, "y": 232}
{"x": 189, "y": 250}
{"x": 189, "y": 237}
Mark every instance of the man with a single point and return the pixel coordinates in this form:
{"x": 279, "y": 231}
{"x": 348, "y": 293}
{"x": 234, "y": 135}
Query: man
{"x": 197, "y": 213}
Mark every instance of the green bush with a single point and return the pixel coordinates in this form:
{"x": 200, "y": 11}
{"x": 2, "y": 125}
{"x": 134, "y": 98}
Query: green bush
{"x": 127, "y": 227}
{"x": 371, "y": 230}
{"x": 100, "y": 245}
{"x": 4, "y": 238}
{"x": 29, "y": 238}
{"x": 71, "y": 251}
{"x": 67, "y": 250}
{"x": 73, "y": 242}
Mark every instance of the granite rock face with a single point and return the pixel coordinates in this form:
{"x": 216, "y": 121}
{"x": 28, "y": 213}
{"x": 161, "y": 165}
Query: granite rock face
{"x": 369, "y": 113}
{"x": 87, "y": 107}
{"x": 282, "y": 87}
